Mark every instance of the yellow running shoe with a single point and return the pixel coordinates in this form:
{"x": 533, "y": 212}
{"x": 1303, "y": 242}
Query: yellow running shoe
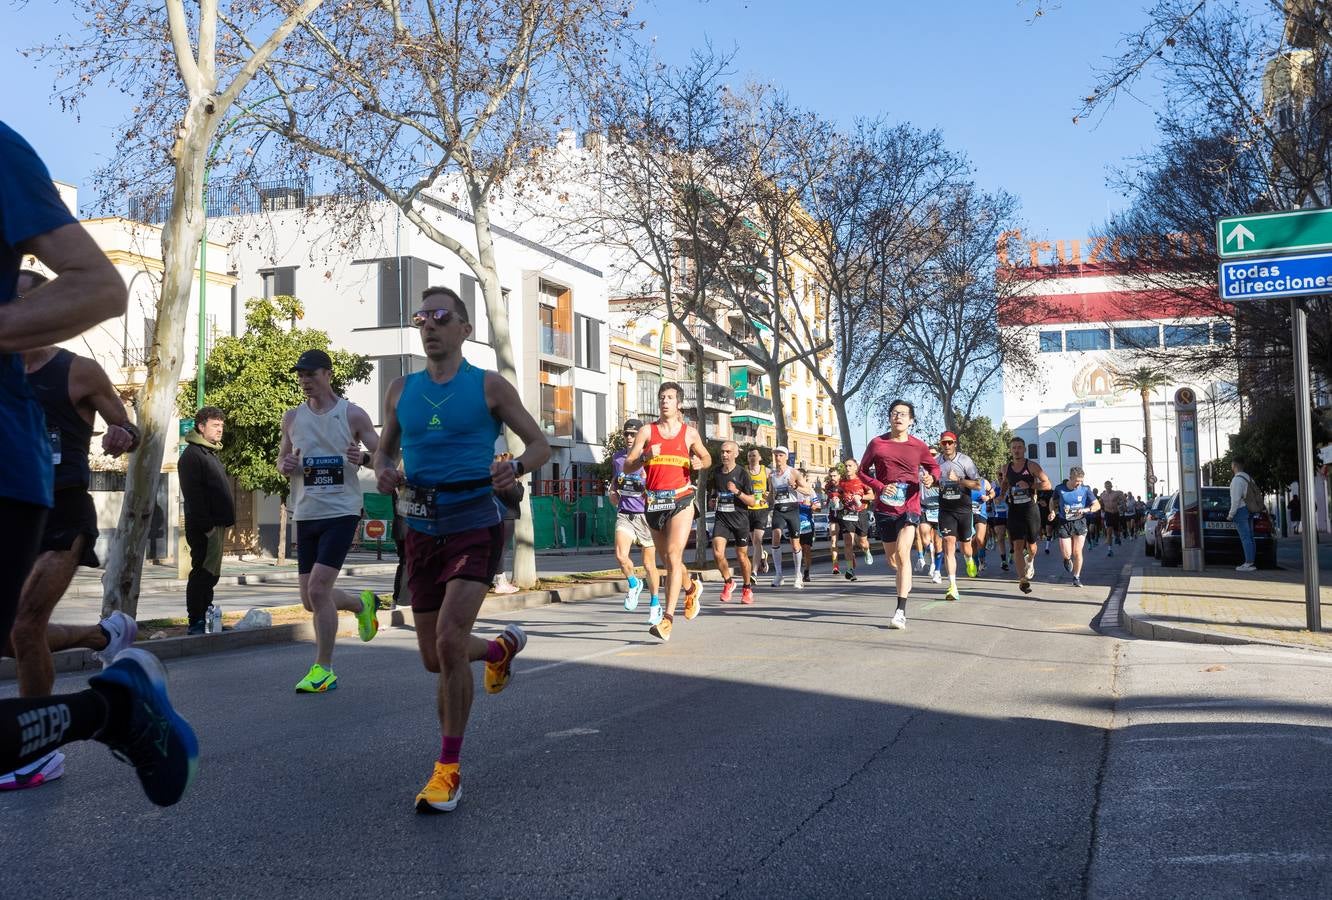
{"x": 692, "y": 598}
{"x": 498, "y": 675}
{"x": 662, "y": 630}
{"x": 971, "y": 567}
{"x": 317, "y": 681}
{"x": 367, "y": 623}
{"x": 442, "y": 792}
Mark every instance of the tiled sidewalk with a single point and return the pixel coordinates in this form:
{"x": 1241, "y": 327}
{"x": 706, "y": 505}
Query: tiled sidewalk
{"x": 1222, "y": 606}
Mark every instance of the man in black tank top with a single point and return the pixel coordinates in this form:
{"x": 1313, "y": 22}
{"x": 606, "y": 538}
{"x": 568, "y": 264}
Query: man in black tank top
{"x": 1022, "y": 482}
{"x": 72, "y": 390}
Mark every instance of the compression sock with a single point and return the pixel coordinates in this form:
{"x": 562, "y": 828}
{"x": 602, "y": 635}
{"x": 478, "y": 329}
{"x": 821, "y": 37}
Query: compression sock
{"x": 451, "y": 750}
{"x": 795, "y": 556}
{"x": 901, "y": 604}
{"x": 31, "y": 727}
{"x": 496, "y": 651}
{"x": 777, "y": 562}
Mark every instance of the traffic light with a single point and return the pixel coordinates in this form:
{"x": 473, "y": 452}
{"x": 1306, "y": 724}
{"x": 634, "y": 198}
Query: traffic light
{"x": 1096, "y": 446}
{"x": 1114, "y": 445}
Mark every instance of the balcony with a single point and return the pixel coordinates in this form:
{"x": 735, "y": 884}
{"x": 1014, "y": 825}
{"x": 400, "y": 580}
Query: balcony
{"x": 754, "y": 403}
{"x": 716, "y": 345}
{"x": 715, "y": 396}
{"x": 555, "y": 342}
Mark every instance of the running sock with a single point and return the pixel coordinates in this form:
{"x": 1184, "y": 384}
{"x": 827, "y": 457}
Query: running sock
{"x": 938, "y": 561}
{"x": 777, "y": 563}
{"x": 795, "y": 556}
{"x": 982, "y": 554}
{"x": 496, "y": 650}
{"x": 633, "y": 582}
{"x": 31, "y": 727}
{"x": 451, "y": 750}
{"x": 901, "y": 604}
{"x": 656, "y": 601}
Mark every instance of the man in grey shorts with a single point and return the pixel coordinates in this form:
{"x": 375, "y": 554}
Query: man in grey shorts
{"x": 631, "y": 527}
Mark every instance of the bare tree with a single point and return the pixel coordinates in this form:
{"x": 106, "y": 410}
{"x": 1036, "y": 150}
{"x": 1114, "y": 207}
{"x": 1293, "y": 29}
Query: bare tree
{"x": 187, "y": 72}
{"x": 423, "y": 98}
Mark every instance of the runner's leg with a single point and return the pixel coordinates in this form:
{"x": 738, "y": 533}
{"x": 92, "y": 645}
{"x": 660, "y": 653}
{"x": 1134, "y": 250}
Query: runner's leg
{"x": 45, "y": 585}
{"x": 320, "y": 597}
{"x": 674, "y": 538}
{"x": 1078, "y": 541}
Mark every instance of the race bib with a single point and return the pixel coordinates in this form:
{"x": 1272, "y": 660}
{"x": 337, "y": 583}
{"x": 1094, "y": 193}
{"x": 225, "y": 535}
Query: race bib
{"x": 785, "y": 497}
{"x": 53, "y": 435}
{"x": 725, "y": 501}
{"x": 630, "y": 485}
{"x": 932, "y": 514}
{"x": 1020, "y": 495}
{"x": 894, "y": 494}
{"x": 850, "y": 515}
{"x": 806, "y": 526}
{"x": 323, "y": 474}
{"x": 417, "y": 502}
{"x": 1072, "y": 512}
{"x": 951, "y": 490}
{"x": 660, "y": 501}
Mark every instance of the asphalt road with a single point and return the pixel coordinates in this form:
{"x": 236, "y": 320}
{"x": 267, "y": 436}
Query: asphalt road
{"x": 1000, "y": 747}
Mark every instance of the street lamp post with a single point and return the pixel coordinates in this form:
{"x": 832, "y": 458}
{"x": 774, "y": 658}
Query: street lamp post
{"x": 203, "y": 240}
{"x": 1059, "y": 447}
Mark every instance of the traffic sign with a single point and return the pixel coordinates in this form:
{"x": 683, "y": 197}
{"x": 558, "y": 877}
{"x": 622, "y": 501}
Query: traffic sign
{"x": 1298, "y": 231}
{"x": 1267, "y": 277}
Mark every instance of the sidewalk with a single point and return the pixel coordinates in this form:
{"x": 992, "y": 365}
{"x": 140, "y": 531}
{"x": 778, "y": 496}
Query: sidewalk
{"x": 1222, "y": 606}
{"x": 254, "y": 570}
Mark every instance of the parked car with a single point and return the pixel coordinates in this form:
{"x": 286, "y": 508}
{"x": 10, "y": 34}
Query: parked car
{"x": 1221, "y": 543}
{"x": 820, "y": 526}
{"x": 1155, "y": 514}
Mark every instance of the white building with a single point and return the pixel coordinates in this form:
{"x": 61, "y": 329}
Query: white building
{"x": 1072, "y": 412}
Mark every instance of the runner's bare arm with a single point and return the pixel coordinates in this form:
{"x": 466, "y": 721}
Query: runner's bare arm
{"x": 96, "y": 394}
{"x": 1042, "y": 479}
{"x": 387, "y": 474}
{"x": 363, "y": 430}
{"x": 287, "y": 463}
{"x": 503, "y": 400}
{"x": 698, "y": 448}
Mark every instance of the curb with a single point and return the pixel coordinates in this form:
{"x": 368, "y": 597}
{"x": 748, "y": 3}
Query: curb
{"x": 278, "y": 577}
{"x": 1138, "y": 622}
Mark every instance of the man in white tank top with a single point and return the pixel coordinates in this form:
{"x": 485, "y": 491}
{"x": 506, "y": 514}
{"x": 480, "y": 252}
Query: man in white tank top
{"x": 321, "y": 453}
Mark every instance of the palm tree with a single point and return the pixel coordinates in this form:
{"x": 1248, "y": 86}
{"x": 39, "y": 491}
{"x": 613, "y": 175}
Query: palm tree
{"x": 1144, "y": 380}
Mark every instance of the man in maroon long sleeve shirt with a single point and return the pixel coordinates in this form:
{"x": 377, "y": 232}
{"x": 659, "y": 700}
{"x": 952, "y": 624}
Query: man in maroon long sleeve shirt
{"x": 896, "y": 465}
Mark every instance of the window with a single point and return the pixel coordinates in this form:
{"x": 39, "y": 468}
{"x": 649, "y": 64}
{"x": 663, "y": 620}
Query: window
{"x": 590, "y": 417}
{"x": 387, "y": 368}
{"x": 1049, "y": 449}
{"x": 1186, "y": 335}
{"x": 1072, "y": 449}
{"x": 587, "y": 343}
{"x": 1221, "y": 333}
{"x": 1137, "y": 338}
{"x": 1114, "y": 445}
{"x": 648, "y": 383}
{"x": 279, "y": 282}
{"x": 1052, "y": 341}
{"x": 1088, "y": 339}
{"x": 1031, "y": 452}
{"x": 401, "y": 282}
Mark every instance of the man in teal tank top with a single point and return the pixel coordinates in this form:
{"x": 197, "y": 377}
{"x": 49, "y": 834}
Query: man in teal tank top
{"x": 444, "y": 421}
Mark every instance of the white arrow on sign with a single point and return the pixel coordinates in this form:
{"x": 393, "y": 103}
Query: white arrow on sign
{"x": 1239, "y": 234}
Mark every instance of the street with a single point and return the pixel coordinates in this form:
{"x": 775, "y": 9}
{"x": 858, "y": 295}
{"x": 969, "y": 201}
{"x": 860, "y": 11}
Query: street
{"x": 999, "y": 747}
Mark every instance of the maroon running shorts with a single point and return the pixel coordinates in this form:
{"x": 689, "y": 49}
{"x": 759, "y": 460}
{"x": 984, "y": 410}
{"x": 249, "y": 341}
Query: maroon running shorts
{"x": 432, "y": 562}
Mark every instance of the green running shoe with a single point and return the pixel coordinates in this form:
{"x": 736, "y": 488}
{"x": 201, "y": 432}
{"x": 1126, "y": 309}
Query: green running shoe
{"x": 971, "y": 567}
{"x": 317, "y": 681}
{"x": 367, "y": 623}
{"x": 952, "y": 594}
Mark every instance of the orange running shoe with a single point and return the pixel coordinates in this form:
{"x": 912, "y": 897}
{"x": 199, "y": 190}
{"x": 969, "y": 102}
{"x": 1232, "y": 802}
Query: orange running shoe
{"x": 499, "y": 674}
{"x": 442, "y": 792}
{"x": 692, "y": 599}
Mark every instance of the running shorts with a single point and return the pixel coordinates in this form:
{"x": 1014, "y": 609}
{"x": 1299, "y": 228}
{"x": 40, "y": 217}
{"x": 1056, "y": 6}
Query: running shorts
{"x": 857, "y": 524}
{"x": 1071, "y": 528}
{"x": 435, "y": 560}
{"x": 1112, "y": 522}
{"x": 787, "y": 521}
{"x": 999, "y": 521}
{"x": 658, "y": 521}
{"x": 73, "y": 516}
{"x": 956, "y": 521}
{"x": 636, "y": 525}
{"x": 760, "y": 519}
{"x": 1024, "y": 521}
{"x": 891, "y": 524}
{"x": 732, "y": 527}
{"x": 324, "y": 541}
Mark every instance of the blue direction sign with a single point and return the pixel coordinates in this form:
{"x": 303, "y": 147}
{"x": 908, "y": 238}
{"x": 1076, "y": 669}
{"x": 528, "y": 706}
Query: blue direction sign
{"x": 1276, "y": 276}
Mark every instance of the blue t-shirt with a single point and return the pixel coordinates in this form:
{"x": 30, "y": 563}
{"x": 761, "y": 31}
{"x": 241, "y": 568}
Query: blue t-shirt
{"x": 978, "y": 508}
{"x": 1073, "y": 502}
{"x": 30, "y": 206}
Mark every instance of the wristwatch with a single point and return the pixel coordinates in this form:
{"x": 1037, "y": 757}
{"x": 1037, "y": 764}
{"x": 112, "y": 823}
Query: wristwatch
{"x": 518, "y": 470}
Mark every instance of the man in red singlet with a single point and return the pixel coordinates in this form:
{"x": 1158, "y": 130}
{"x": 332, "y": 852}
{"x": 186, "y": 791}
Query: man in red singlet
{"x": 668, "y": 450}
{"x": 896, "y": 465}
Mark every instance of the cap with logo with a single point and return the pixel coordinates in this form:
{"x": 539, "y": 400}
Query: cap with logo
{"x": 311, "y": 360}
{"x": 948, "y": 436}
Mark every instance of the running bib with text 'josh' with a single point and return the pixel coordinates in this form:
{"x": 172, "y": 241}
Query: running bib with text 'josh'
{"x": 894, "y": 494}
{"x": 323, "y": 474}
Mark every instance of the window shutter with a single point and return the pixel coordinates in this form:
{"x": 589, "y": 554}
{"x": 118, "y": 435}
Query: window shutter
{"x": 284, "y": 281}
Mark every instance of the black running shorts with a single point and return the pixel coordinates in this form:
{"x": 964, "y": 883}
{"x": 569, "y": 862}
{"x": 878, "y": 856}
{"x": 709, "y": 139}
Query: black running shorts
{"x": 892, "y": 524}
{"x": 73, "y": 516}
{"x": 324, "y": 541}
{"x": 787, "y": 521}
{"x": 1024, "y": 521}
{"x": 956, "y": 521}
{"x": 733, "y": 527}
{"x": 1071, "y": 528}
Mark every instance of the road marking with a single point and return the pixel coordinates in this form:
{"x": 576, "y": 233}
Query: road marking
{"x": 1211, "y": 859}
{"x": 1195, "y": 704}
{"x": 1195, "y": 738}
{"x": 572, "y": 732}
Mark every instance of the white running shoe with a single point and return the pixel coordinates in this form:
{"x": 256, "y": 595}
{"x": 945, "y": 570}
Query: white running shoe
{"x": 935, "y": 576}
{"x": 121, "y": 630}
{"x": 1246, "y": 567}
{"x": 778, "y": 581}
{"x": 869, "y": 558}
{"x": 899, "y": 621}
{"x": 1031, "y": 569}
{"x": 799, "y": 581}
{"x": 631, "y": 599}
{"x": 655, "y": 613}
{"x": 48, "y": 768}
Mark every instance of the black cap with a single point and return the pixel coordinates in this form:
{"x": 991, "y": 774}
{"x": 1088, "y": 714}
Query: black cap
{"x": 311, "y": 360}
{"x": 633, "y": 424}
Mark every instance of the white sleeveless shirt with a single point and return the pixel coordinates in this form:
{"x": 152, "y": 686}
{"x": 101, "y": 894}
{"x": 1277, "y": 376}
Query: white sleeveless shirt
{"x": 326, "y": 485}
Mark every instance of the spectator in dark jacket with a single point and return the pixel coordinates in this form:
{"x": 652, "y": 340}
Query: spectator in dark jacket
{"x": 209, "y": 511}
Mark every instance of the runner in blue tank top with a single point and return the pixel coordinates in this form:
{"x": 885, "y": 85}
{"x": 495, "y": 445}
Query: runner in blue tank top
{"x": 445, "y": 421}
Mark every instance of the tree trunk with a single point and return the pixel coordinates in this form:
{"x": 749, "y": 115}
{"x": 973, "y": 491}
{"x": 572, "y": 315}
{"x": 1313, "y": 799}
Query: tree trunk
{"x": 524, "y": 534}
{"x": 282, "y": 532}
{"x": 701, "y": 411}
{"x": 844, "y": 426}
{"x": 778, "y": 407}
{"x": 1147, "y": 440}
{"x": 157, "y": 402}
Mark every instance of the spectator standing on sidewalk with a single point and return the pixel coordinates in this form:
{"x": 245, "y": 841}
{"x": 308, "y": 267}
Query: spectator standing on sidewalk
{"x": 209, "y": 510}
{"x": 1245, "y": 500}
{"x": 1293, "y": 509}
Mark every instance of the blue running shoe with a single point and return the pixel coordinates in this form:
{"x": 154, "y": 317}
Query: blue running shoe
{"x": 143, "y": 729}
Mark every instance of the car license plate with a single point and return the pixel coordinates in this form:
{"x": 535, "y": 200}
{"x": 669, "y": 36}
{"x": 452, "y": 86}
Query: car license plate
{"x": 1220, "y": 526}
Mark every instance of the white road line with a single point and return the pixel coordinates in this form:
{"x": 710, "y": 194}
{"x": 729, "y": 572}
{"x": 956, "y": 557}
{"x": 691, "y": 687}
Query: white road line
{"x": 1246, "y": 859}
{"x": 1194, "y": 738}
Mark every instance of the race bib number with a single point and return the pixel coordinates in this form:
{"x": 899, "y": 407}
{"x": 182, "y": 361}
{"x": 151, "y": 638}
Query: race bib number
{"x": 1072, "y": 512}
{"x": 323, "y": 474}
{"x": 785, "y": 497}
{"x": 725, "y": 501}
{"x": 932, "y": 515}
{"x": 806, "y": 526}
{"x": 629, "y": 485}
{"x": 894, "y": 494}
{"x": 951, "y": 490}
{"x": 850, "y": 515}
{"x": 417, "y": 502}
{"x": 53, "y": 435}
{"x": 660, "y": 501}
{"x": 1020, "y": 495}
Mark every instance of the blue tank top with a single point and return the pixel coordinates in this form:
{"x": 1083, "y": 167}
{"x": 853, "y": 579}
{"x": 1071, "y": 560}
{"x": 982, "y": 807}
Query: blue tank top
{"x": 1073, "y": 502}
{"x": 449, "y": 435}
